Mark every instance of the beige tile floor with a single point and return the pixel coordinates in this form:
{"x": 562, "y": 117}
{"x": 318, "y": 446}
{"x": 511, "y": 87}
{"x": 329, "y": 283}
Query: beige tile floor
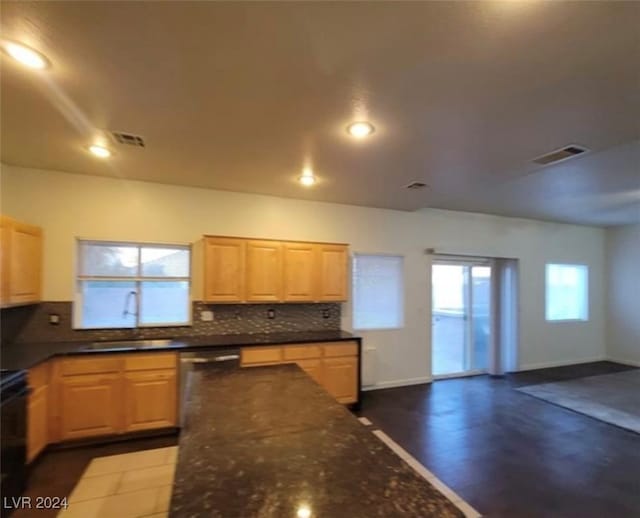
{"x": 132, "y": 485}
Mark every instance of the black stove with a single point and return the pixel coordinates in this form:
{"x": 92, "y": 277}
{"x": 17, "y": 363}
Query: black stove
{"x": 13, "y": 396}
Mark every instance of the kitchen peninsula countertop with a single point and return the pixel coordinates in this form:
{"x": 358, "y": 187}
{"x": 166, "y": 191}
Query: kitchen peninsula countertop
{"x": 270, "y": 442}
{"x": 26, "y": 355}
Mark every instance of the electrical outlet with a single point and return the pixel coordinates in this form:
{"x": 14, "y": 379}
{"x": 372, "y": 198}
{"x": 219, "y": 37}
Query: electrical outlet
{"x": 325, "y": 313}
{"x": 271, "y": 313}
{"x": 54, "y": 319}
{"x": 206, "y": 316}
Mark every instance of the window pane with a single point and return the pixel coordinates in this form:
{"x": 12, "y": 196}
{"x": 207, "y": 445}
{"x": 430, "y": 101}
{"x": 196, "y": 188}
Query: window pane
{"x": 164, "y": 302}
{"x": 104, "y": 304}
{"x": 165, "y": 262}
{"x": 567, "y": 292}
{"x": 108, "y": 259}
{"x": 377, "y": 292}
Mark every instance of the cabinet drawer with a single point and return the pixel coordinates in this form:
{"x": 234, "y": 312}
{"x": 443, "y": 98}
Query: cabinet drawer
{"x": 39, "y": 376}
{"x": 143, "y": 362}
{"x": 340, "y": 349}
{"x": 300, "y": 352}
{"x": 90, "y": 365}
{"x": 254, "y": 355}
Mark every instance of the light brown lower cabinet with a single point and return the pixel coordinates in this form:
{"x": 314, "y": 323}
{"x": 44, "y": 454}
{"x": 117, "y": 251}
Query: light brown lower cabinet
{"x": 150, "y": 399}
{"x": 339, "y": 375}
{"x": 37, "y": 422}
{"x": 90, "y": 405}
{"x": 313, "y": 368}
{"x": 112, "y": 394}
{"x": 38, "y": 403}
{"x": 91, "y": 396}
{"x": 334, "y": 365}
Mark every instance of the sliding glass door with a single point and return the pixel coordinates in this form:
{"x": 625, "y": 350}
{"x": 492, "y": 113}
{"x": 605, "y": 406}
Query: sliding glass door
{"x": 461, "y": 317}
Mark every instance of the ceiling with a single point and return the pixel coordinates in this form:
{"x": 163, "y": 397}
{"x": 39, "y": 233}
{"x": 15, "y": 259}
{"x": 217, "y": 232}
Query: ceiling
{"x": 241, "y": 96}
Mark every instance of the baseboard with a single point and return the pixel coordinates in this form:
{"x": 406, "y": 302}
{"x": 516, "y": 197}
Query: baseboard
{"x": 563, "y": 363}
{"x": 633, "y": 363}
{"x": 458, "y": 375}
{"x": 527, "y": 367}
{"x": 398, "y": 383}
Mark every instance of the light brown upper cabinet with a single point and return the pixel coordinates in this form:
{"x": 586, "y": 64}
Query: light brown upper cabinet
{"x": 333, "y": 263}
{"x": 264, "y": 271}
{"x": 20, "y": 262}
{"x": 248, "y": 270}
{"x": 300, "y": 272}
{"x": 224, "y": 269}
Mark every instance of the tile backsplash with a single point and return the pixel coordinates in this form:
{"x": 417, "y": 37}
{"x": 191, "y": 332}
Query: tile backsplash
{"x": 31, "y": 323}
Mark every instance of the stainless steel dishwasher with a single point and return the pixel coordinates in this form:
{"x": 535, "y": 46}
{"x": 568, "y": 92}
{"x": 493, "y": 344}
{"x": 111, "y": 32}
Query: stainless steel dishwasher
{"x": 221, "y": 358}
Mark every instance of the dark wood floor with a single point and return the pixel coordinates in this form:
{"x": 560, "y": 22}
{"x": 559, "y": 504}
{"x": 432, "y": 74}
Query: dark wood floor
{"x": 56, "y": 473}
{"x": 512, "y": 455}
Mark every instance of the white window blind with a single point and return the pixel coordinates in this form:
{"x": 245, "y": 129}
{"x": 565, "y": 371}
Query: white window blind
{"x": 378, "y": 291}
{"x": 120, "y": 285}
{"x": 567, "y": 292}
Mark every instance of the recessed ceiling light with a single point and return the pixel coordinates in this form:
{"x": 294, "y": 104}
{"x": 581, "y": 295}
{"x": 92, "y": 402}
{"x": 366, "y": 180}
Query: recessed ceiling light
{"x": 307, "y": 178}
{"x": 360, "y": 129}
{"x": 100, "y": 151}
{"x": 26, "y": 55}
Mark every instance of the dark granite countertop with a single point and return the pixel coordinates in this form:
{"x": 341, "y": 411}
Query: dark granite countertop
{"x": 26, "y": 355}
{"x": 269, "y": 441}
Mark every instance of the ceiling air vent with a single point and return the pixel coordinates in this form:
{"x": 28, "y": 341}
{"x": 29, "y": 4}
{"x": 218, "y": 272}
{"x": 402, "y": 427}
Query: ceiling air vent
{"x": 560, "y": 154}
{"x": 128, "y": 139}
{"x": 416, "y": 185}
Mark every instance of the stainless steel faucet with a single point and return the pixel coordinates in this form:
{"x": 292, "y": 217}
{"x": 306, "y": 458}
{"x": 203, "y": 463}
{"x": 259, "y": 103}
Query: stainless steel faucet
{"x": 132, "y": 294}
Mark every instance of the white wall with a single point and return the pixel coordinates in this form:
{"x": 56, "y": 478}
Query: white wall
{"x": 623, "y": 282}
{"x": 70, "y": 206}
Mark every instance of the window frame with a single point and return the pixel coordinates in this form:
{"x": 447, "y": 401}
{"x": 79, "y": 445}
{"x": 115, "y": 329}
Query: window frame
{"x": 138, "y": 279}
{"x": 401, "y": 289}
{"x": 587, "y": 294}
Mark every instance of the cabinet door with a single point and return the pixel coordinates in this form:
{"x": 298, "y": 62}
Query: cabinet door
{"x": 313, "y": 368}
{"x": 90, "y": 405}
{"x": 333, "y": 275}
{"x": 25, "y": 263}
{"x": 4, "y": 260}
{"x": 150, "y": 399}
{"x": 264, "y": 271}
{"x": 300, "y": 271}
{"x": 224, "y": 269}
{"x": 340, "y": 378}
{"x": 37, "y": 422}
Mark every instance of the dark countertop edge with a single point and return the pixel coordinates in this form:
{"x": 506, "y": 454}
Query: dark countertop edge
{"x": 35, "y": 354}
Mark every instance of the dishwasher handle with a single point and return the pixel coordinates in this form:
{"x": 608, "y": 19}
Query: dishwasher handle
{"x": 216, "y": 359}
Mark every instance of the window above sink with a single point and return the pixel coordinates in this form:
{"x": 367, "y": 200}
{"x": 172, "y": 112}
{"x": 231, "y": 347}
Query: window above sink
{"x": 129, "y": 285}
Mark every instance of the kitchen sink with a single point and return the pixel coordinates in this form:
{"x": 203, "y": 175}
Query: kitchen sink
{"x": 128, "y": 345}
